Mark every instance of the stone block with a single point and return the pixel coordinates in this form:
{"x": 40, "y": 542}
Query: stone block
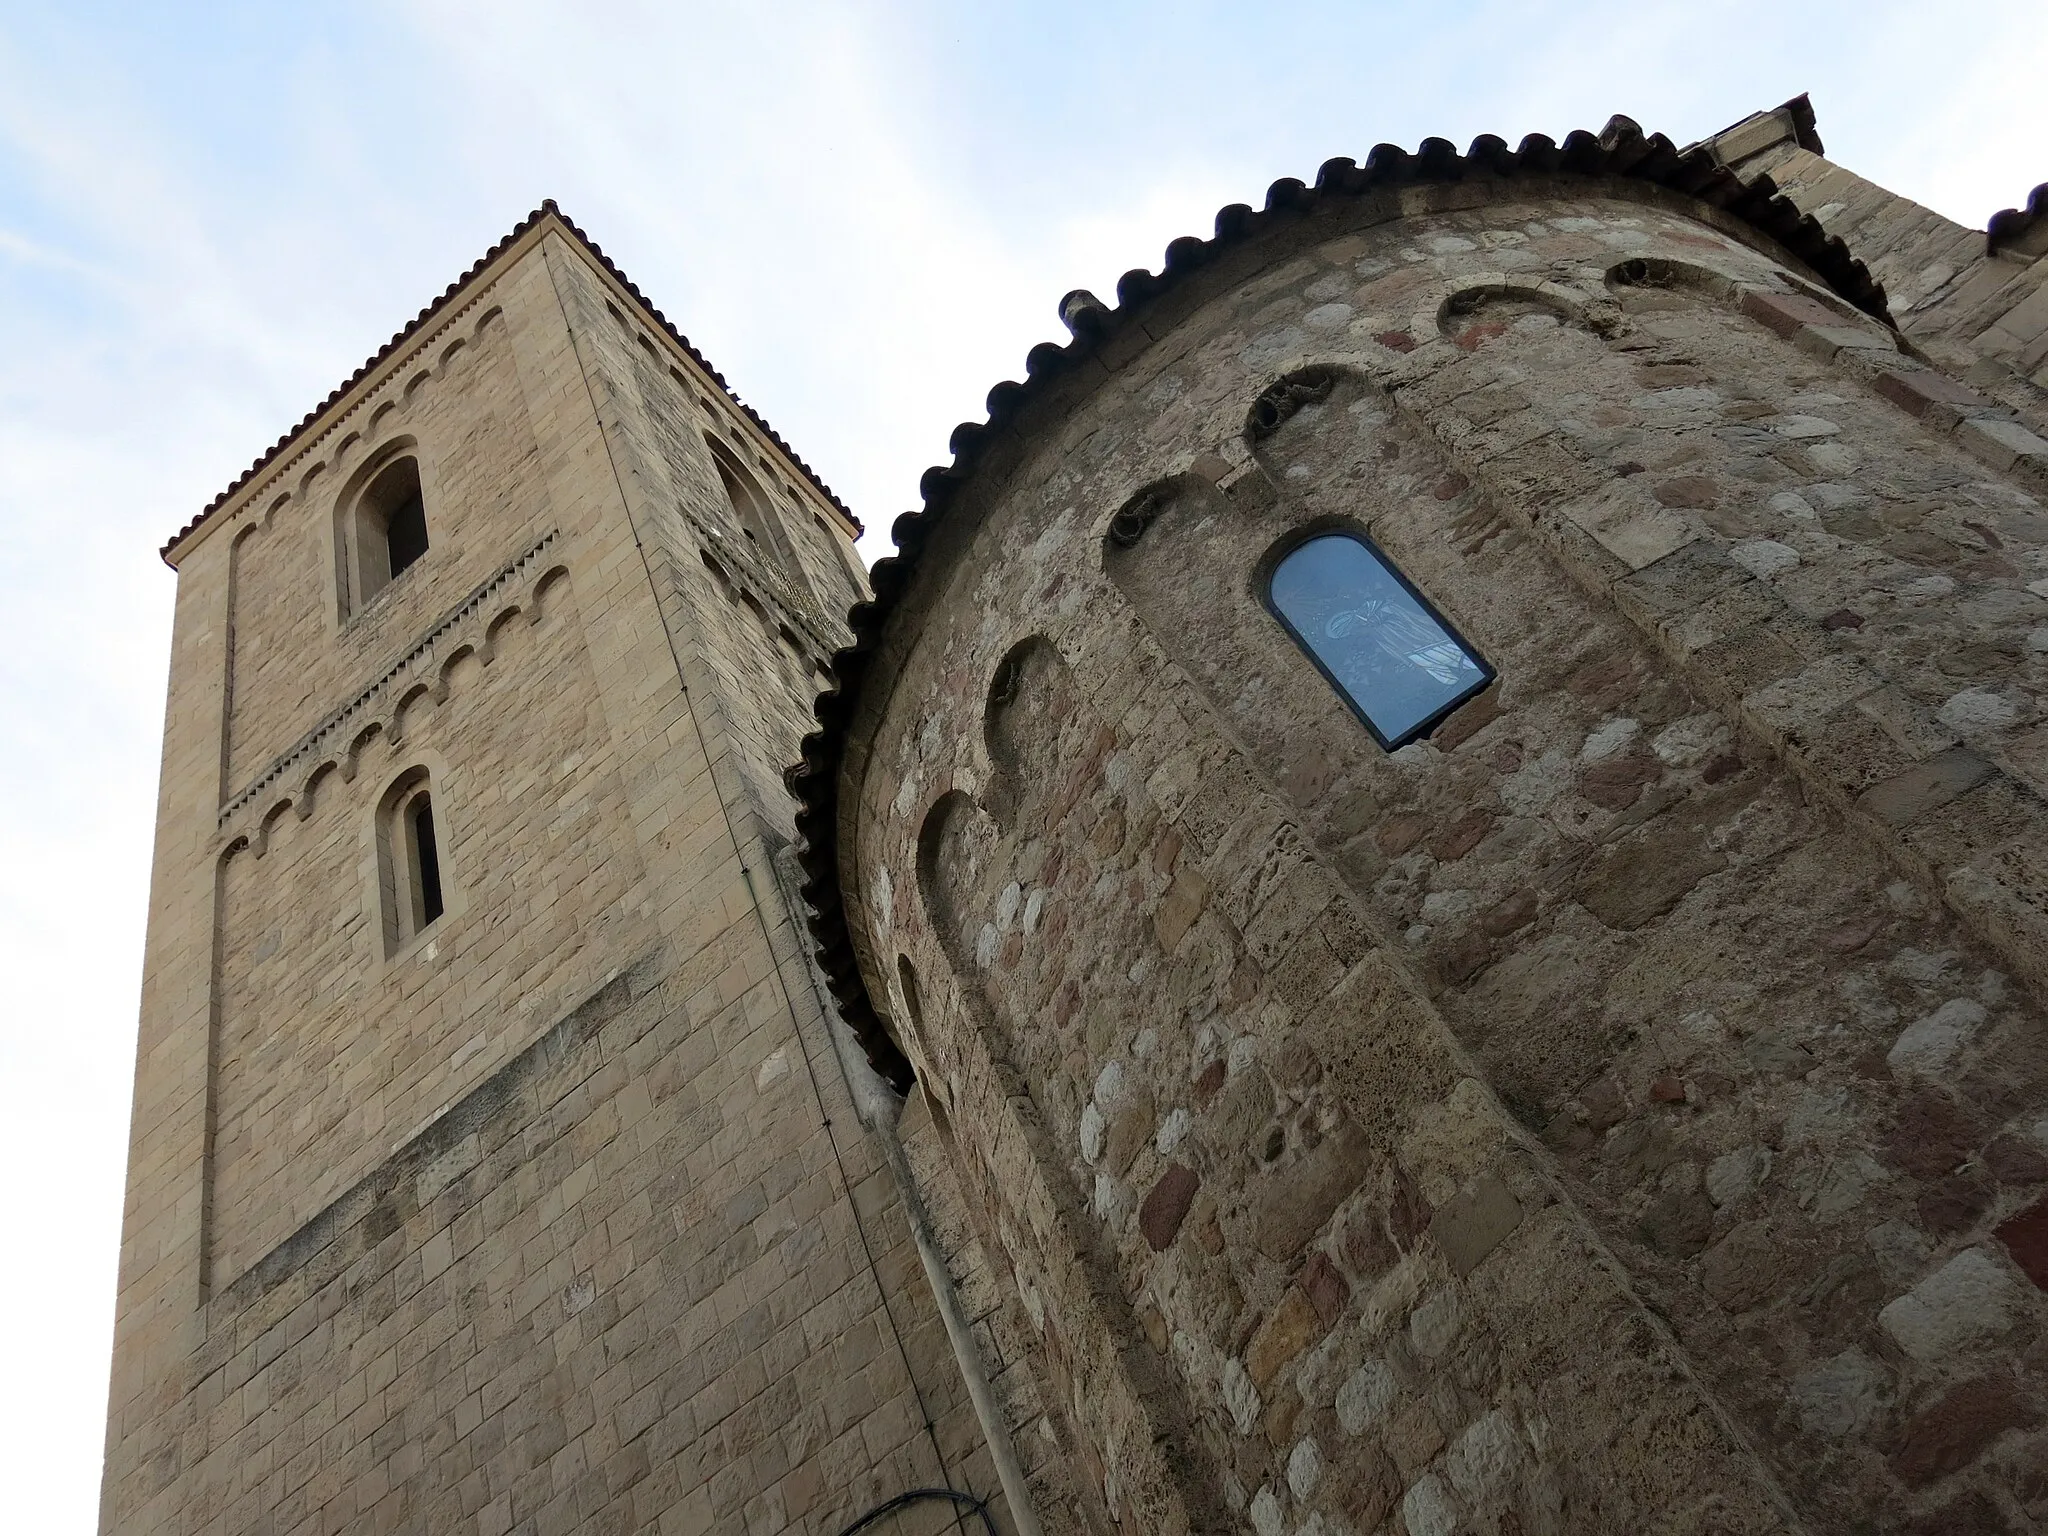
{"x": 1967, "y": 1302}
{"x": 1295, "y": 1202}
{"x": 1919, "y": 391}
{"x": 1166, "y": 1207}
{"x": 2025, "y": 1236}
{"x": 1288, "y": 1330}
{"x": 1906, "y": 797}
{"x": 1958, "y": 1427}
{"x": 1641, "y": 879}
{"x": 1326, "y": 1288}
{"x": 1785, "y": 313}
{"x": 2003, "y": 444}
{"x": 1475, "y": 1221}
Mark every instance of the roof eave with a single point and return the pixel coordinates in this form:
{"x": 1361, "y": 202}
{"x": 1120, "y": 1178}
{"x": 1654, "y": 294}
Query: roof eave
{"x": 395, "y": 353}
{"x": 1620, "y": 150}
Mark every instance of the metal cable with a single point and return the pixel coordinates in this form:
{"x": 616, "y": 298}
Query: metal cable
{"x": 918, "y": 1496}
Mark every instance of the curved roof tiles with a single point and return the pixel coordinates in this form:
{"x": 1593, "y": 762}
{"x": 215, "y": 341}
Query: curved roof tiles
{"x": 547, "y": 210}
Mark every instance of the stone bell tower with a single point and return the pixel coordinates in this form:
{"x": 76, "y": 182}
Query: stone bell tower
{"x": 494, "y": 1166}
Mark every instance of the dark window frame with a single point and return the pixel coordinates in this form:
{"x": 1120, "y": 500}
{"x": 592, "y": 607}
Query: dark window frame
{"x": 1271, "y": 566}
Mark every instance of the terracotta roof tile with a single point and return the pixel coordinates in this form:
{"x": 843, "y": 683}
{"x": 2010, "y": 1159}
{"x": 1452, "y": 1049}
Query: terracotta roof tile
{"x": 419, "y": 322}
{"x": 2011, "y": 226}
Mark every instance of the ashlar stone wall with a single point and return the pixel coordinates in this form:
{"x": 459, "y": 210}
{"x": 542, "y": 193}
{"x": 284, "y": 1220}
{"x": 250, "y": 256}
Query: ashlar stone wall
{"x": 1626, "y": 1109}
{"x": 560, "y": 1215}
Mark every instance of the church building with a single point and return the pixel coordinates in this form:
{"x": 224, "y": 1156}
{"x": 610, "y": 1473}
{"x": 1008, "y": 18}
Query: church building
{"x": 1416, "y": 906}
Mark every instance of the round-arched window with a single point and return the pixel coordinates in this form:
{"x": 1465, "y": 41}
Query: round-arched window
{"x": 1389, "y": 654}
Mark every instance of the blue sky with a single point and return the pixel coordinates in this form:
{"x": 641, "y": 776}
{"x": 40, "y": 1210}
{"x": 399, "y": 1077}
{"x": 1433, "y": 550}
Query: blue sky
{"x": 864, "y": 214}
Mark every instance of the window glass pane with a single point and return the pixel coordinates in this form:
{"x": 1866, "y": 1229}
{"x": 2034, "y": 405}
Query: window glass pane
{"x": 1394, "y": 659}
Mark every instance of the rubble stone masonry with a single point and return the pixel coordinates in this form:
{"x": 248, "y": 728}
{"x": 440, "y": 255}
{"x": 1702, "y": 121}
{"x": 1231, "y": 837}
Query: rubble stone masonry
{"x": 1624, "y": 1110}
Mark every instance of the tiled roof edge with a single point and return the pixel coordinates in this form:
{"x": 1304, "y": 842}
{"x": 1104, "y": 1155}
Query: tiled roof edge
{"x": 1620, "y": 149}
{"x": 548, "y": 209}
{"x": 2009, "y": 226}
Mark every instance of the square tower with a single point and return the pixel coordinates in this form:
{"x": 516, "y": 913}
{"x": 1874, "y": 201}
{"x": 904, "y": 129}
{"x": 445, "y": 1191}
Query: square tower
{"x": 493, "y": 1164}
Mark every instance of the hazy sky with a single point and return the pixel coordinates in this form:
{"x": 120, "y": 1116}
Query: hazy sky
{"x": 864, "y": 215}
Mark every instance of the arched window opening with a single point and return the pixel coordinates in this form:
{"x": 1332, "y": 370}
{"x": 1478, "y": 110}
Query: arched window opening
{"x": 409, "y": 862}
{"x": 749, "y": 503}
{"x": 385, "y": 532}
{"x": 1377, "y": 640}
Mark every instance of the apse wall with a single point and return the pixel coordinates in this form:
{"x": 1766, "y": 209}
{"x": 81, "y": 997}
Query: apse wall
{"x": 1625, "y": 1108}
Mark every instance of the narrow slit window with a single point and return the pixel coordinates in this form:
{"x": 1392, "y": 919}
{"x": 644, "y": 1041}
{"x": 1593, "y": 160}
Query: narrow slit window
{"x": 426, "y": 859}
{"x": 1387, "y": 652}
{"x": 412, "y": 871}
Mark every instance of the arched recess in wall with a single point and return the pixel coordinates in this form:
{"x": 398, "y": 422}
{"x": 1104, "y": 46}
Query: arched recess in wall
{"x": 905, "y": 1026}
{"x": 237, "y": 553}
{"x": 1031, "y": 704}
{"x": 759, "y": 519}
{"x": 415, "y": 878}
{"x": 1475, "y": 313}
{"x": 382, "y": 524}
{"x": 956, "y": 849}
{"x": 1335, "y": 455}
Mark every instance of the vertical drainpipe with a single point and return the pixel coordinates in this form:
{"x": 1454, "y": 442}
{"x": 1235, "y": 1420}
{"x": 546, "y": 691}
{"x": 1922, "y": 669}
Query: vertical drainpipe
{"x": 878, "y": 1109}
{"x": 1009, "y": 1471}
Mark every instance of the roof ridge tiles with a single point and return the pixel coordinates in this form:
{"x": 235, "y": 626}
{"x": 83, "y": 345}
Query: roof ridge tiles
{"x": 548, "y": 208}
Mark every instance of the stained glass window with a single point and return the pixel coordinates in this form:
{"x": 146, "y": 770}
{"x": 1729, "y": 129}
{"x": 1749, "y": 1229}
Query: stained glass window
{"x": 1392, "y": 657}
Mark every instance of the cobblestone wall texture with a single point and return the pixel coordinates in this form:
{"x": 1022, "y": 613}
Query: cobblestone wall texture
{"x": 1625, "y": 1110}
{"x": 559, "y": 1215}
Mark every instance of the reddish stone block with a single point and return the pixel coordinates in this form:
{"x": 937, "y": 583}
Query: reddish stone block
{"x": 1667, "y": 1090}
{"x": 1326, "y": 1288}
{"x": 1396, "y": 341}
{"x": 1159, "y": 1218}
{"x": 1697, "y": 492}
{"x": 1958, "y": 1427}
{"x": 1400, "y": 832}
{"x": 2016, "y": 1160}
{"x": 1467, "y": 721}
{"x": 2026, "y": 1238}
{"x": 1510, "y": 914}
{"x": 1954, "y": 1205}
{"x": 1916, "y": 392}
{"x": 1933, "y": 1135}
{"x": 1616, "y": 784}
{"x": 1210, "y": 1079}
{"x": 1785, "y": 313}
{"x": 1461, "y": 836}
